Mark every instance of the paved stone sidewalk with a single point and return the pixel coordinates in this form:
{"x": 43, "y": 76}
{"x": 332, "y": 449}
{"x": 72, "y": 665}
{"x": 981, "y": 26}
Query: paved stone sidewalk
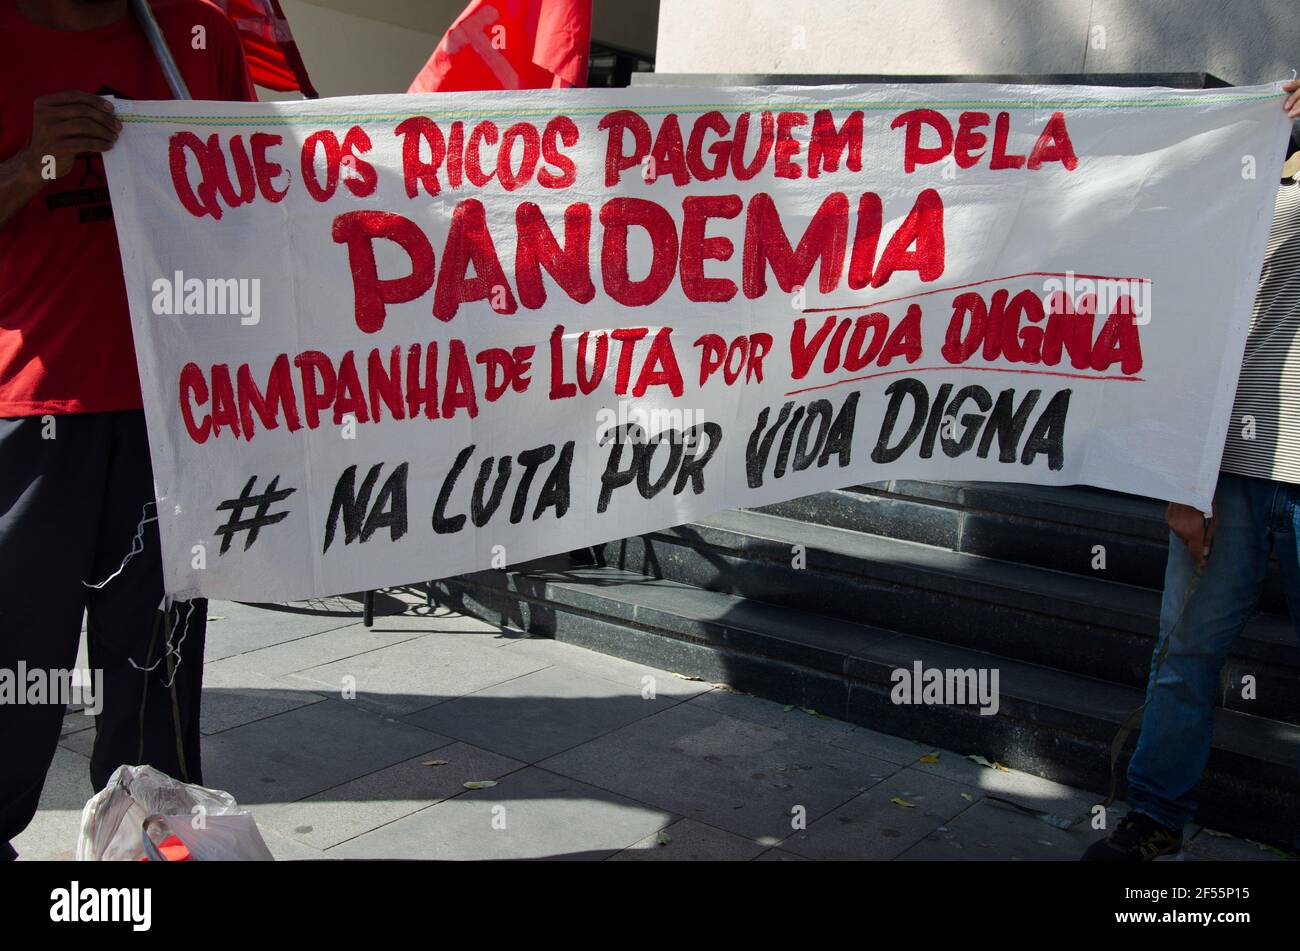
{"x": 591, "y": 756}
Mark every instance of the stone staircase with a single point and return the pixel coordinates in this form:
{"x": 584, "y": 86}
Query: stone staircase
{"x": 817, "y": 601}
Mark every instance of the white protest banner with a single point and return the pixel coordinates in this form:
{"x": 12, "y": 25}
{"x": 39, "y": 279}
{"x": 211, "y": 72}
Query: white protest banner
{"x": 387, "y": 339}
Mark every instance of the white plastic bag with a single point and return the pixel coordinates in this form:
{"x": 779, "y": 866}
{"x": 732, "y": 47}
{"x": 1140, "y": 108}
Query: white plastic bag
{"x": 208, "y": 821}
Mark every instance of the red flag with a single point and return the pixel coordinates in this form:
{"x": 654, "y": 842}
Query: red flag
{"x": 273, "y": 59}
{"x": 511, "y": 44}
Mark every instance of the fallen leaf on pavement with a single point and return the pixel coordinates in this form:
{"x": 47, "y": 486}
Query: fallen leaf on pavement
{"x": 902, "y": 802}
{"x": 435, "y": 762}
{"x": 929, "y": 758}
{"x": 480, "y": 784}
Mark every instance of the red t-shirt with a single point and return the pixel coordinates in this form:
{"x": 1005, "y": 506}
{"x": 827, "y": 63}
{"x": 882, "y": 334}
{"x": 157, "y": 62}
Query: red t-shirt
{"x": 65, "y": 333}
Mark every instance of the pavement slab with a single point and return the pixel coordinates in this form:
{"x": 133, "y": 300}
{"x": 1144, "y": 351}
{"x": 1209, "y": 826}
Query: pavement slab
{"x": 233, "y": 697}
{"x": 991, "y": 830}
{"x": 353, "y": 742}
{"x": 529, "y": 814}
{"x": 541, "y": 713}
{"x": 305, "y": 751}
{"x": 648, "y": 680}
{"x": 236, "y": 628}
{"x": 358, "y": 806}
{"x": 402, "y": 678}
{"x": 52, "y": 834}
{"x": 733, "y": 774}
{"x": 809, "y": 724}
{"x": 884, "y": 821}
{"x": 688, "y": 840}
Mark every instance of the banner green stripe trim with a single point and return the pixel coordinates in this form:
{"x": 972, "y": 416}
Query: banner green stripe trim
{"x": 316, "y": 118}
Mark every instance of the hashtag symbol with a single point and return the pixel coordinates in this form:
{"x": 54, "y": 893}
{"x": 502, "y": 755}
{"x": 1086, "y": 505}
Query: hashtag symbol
{"x": 260, "y": 517}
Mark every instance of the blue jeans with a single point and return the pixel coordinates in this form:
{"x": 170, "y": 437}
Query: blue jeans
{"x": 1255, "y": 516}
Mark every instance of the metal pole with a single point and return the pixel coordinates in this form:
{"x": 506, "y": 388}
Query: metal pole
{"x": 144, "y": 16}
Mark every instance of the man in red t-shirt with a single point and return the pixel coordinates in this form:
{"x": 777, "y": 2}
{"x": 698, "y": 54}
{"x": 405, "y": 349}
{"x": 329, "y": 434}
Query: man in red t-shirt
{"x": 78, "y": 534}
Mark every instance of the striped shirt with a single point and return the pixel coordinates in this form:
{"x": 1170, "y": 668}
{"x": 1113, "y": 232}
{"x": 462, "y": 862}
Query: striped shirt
{"x": 1264, "y": 432}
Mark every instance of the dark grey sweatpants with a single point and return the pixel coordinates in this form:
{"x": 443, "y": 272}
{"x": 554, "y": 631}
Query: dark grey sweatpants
{"x": 69, "y": 509}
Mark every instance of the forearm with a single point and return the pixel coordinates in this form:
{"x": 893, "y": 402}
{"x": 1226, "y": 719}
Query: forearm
{"x": 19, "y": 183}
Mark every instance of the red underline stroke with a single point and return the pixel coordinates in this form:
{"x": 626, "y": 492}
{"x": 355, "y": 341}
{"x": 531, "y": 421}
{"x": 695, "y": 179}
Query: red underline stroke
{"x": 959, "y": 368}
{"x": 991, "y": 280}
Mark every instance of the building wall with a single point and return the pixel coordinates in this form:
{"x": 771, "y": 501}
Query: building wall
{"x": 347, "y": 54}
{"x": 1242, "y": 41}
{"x": 351, "y": 47}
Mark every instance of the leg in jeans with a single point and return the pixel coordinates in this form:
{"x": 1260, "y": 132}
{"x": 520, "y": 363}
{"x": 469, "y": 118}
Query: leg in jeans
{"x": 143, "y": 719}
{"x": 1178, "y": 723}
{"x": 51, "y": 484}
{"x": 1286, "y": 533}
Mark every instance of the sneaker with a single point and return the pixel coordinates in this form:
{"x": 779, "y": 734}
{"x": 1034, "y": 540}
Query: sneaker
{"x": 1139, "y": 838}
